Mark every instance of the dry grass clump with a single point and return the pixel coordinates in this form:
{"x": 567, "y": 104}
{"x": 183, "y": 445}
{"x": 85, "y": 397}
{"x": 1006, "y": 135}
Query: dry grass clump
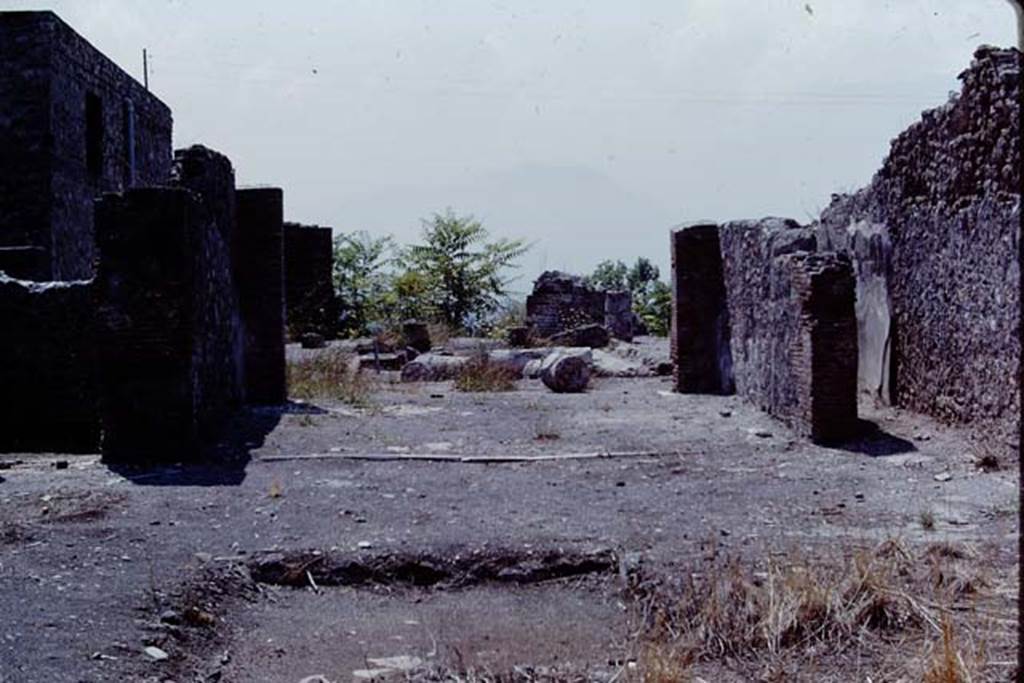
{"x": 328, "y": 374}
{"x": 904, "y": 616}
{"x": 479, "y": 374}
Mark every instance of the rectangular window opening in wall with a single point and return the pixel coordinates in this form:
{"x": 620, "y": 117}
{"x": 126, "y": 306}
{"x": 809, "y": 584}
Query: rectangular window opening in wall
{"x": 94, "y": 135}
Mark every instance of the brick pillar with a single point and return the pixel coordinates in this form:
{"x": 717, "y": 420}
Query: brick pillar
{"x": 700, "y": 323}
{"x": 815, "y": 348}
{"x": 144, "y": 324}
{"x": 259, "y": 268}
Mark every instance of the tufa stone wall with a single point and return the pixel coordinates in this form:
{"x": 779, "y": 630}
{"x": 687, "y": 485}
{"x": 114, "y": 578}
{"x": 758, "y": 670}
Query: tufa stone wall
{"x": 309, "y": 280}
{"x": 701, "y": 357}
{"x": 946, "y": 207}
{"x": 72, "y": 125}
{"x": 259, "y": 269}
{"x": 48, "y": 372}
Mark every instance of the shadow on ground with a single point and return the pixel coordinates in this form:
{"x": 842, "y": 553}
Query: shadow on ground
{"x": 872, "y": 440}
{"x": 224, "y": 462}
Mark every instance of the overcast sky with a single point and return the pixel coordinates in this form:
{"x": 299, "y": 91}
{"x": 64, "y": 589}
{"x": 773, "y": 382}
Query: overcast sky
{"x": 588, "y": 127}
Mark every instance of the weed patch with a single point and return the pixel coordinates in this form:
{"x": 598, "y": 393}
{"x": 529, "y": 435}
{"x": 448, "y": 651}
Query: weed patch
{"x": 329, "y": 374}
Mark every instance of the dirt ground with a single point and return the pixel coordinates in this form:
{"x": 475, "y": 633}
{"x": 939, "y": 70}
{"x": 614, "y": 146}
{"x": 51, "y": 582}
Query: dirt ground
{"x": 472, "y": 531}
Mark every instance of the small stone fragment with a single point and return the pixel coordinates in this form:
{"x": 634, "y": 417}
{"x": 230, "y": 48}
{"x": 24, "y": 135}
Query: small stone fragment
{"x": 156, "y": 654}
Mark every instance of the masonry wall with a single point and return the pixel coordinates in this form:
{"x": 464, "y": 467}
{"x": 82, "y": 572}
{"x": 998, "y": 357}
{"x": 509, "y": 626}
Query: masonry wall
{"x": 71, "y": 122}
{"x": 48, "y": 374}
{"x": 947, "y": 199}
{"x": 144, "y": 324}
{"x": 810, "y": 381}
{"x": 259, "y": 268}
{"x": 748, "y": 251}
{"x": 560, "y": 302}
{"x": 167, "y": 360}
{"x": 701, "y": 356}
{"x": 25, "y": 140}
{"x": 309, "y": 280}
{"x": 217, "y": 335}
{"x": 757, "y": 311}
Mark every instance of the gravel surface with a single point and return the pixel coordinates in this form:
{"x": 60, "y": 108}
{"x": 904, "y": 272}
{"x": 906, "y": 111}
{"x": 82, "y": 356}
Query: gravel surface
{"x": 90, "y": 557}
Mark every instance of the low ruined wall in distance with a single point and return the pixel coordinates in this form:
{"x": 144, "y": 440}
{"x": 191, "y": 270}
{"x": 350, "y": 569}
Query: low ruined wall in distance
{"x": 560, "y": 302}
{"x": 259, "y": 270}
{"x": 48, "y": 373}
{"x": 947, "y": 199}
{"x": 309, "y": 280}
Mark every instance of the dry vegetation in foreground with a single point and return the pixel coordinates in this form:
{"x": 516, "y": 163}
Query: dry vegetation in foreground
{"x": 885, "y": 614}
{"x": 330, "y": 374}
{"x": 480, "y": 374}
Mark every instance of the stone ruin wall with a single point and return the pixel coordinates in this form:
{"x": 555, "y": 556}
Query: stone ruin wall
{"x": 218, "y": 363}
{"x": 935, "y": 238}
{"x": 560, "y": 302}
{"x": 757, "y": 312}
{"x": 78, "y": 70}
{"x": 309, "y": 280}
{"x": 49, "y": 373}
{"x": 25, "y": 238}
{"x": 48, "y": 178}
{"x": 149, "y": 356}
{"x": 749, "y": 250}
{"x": 145, "y": 333}
{"x": 810, "y": 381}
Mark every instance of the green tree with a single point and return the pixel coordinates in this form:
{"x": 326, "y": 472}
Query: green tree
{"x": 361, "y": 279}
{"x": 652, "y": 298}
{"x": 656, "y": 311}
{"x": 463, "y": 271}
{"x": 609, "y": 275}
{"x": 641, "y": 277}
